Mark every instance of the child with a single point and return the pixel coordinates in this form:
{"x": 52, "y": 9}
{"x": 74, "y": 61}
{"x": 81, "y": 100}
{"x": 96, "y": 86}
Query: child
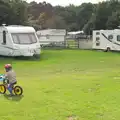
{"x": 10, "y": 76}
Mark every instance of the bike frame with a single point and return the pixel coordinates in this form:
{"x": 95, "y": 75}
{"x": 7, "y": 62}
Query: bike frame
{"x": 7, "y": 86}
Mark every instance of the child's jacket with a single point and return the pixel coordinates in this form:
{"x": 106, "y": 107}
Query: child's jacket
{"x": 11, "y": 76}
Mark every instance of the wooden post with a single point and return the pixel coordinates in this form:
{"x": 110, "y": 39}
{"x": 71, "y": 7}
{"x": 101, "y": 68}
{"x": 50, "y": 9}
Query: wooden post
{"x": 65, "y": 44}
{"x": 78, "y": 43}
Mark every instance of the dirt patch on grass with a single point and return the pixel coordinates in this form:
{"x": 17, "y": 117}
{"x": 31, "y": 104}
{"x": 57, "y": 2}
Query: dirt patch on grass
{"x": 73, "y": 118}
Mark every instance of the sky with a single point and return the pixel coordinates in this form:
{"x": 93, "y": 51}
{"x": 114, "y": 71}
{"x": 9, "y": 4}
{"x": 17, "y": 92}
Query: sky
{"x": 66, "y": 2}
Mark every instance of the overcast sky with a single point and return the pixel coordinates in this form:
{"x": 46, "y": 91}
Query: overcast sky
{"x": 66, "y": 2}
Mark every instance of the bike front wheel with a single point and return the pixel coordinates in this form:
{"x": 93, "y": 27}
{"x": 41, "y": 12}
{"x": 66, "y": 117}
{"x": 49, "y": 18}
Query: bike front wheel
{"x": 2, "y": 89}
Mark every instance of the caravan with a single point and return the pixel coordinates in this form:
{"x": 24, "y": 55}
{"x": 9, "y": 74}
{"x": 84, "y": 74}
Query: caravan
{"x": 48, "y": 36}
{"x": 106, "y": 40}
{"x": 18, "y": 41}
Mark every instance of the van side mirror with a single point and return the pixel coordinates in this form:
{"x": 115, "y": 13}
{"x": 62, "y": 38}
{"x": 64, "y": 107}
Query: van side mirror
{"x": 4, "y": 37}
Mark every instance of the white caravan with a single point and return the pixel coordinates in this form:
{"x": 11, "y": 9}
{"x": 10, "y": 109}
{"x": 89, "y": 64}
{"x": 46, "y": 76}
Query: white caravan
{"x": 48, "y": 36}
{"x": 18, "y": 41}
{"x": 106, "y": 40}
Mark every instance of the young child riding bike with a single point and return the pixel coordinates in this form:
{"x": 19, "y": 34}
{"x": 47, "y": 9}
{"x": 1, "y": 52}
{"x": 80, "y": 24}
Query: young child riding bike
{"x": 10, "y": 76}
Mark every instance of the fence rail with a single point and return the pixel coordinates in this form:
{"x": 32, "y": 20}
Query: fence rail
{"x": 68, "y": 43}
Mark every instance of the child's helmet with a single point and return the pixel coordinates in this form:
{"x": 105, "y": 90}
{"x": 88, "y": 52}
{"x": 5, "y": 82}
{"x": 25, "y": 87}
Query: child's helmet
{"x": 8, "y": 66}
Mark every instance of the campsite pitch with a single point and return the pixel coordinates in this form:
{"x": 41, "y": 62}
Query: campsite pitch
{"x": 65, "y": 85}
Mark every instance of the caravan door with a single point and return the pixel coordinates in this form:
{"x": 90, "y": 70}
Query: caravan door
{"x": 117, "y": 42}
{"x": 4, "y": 44}
{"x": 107, "y": 37}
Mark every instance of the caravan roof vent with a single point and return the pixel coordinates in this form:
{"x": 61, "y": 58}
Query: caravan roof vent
{"x": 3, "y": 24}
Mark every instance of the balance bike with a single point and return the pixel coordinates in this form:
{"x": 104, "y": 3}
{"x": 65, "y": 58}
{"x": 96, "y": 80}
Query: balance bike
{"x": 17, "y": 90}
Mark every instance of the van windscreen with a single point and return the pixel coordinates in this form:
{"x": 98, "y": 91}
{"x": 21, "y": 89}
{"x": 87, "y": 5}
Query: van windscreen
{"x": 24, "y": 38}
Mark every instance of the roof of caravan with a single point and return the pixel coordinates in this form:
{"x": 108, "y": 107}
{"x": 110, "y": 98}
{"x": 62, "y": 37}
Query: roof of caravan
{"x": 20, "y": 29}
{"x": 107, "y": 30}
{"x": 52, "y": 32}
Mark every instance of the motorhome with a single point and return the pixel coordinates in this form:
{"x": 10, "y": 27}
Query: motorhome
{"x": 106, "y": 40}
{"x": 18, "y": 40}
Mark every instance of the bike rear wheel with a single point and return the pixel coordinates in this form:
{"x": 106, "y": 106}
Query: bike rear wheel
{"x": 18, "y": 90}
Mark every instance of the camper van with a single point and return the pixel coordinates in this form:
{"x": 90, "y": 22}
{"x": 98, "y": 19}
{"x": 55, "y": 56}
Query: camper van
{"x": 106, "y": 40}
{"x": 18, "y": 41}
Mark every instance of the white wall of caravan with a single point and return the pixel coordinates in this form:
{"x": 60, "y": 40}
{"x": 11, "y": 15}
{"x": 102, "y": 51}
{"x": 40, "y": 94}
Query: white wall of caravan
{"x": 105, "y": 40}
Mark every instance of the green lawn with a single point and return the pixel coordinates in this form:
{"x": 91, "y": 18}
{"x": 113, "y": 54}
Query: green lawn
{"x": 81, "y": 84}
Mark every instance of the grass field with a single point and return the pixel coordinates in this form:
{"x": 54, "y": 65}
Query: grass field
{"x": 81, "y": 84}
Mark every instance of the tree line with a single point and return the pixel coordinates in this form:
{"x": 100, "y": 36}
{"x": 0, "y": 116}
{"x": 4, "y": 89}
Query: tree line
{"x": 86, "y": 17}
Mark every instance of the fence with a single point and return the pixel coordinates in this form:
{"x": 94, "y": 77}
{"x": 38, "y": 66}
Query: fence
{"x": 69, "y": 43}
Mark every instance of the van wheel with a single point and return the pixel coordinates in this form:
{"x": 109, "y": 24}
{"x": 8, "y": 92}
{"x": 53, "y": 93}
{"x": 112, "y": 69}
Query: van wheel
{"x": 108, "y": 49}
{"x": 36, "y": 56}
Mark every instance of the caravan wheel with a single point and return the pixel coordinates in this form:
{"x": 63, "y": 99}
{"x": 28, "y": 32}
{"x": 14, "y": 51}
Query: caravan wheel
{"x": 108, "y": 49}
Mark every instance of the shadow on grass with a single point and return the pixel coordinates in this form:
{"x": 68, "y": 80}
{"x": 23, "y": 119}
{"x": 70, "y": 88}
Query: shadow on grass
{"x": 20, "y": 58}
{"x": 13, "y": 98}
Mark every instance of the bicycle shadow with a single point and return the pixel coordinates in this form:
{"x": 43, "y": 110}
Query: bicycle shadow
{"x": 13, "y": 98}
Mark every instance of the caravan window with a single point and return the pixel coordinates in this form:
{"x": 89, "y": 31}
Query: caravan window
{"x": 15, "y": 39}
{"x": 118, "y": 38}
{"x": 110, "y": 37}
{"x": 33, "y": 38}
{"x": 97, "y": 38}
{"x": 4, "y": 37}
{"x": 47, "y": 37}
{"x": 24, "y": 38}
{"x": 97, "y": 33}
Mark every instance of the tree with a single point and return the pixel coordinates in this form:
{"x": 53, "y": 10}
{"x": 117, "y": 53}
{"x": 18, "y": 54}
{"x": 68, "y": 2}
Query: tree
{"x": 104, "y": 10}
{"x": 56, "y": 22}
{"x": 36, "y": 9}
{"x": 19, "y": 11}
{"x": 90, "y": 25}
{"x": 68, "y": 14}
{"x": 41, "y": 20}
{"x": 13, "y": 12}
{"x": 87, "y": 16}
{"x": 113, "y": 21}
{"x": 5, "y": 12}
{"x": 84, "y": 14}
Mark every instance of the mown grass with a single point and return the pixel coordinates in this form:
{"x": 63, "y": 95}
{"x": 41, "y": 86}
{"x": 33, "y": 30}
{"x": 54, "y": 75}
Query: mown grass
{"x": 77, "y": 83}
